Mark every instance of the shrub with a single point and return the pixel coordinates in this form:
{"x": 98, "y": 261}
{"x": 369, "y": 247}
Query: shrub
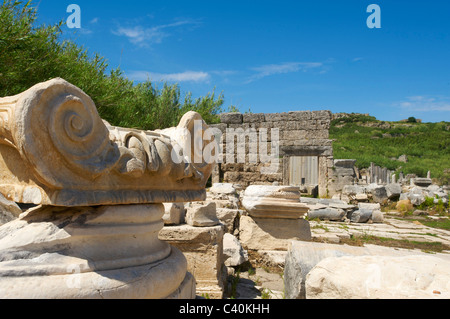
{"x": 404, "y": 206}
{"x": 429, "y": 202}
{"x": 31, "y": 53}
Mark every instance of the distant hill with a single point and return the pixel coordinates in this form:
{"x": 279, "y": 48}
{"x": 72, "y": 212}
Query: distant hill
{"x": 425, "y": 146}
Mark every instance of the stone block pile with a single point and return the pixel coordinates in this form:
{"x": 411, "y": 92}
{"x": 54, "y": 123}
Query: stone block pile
{"x": 340, "y": 211}
{"x": 416, "y": 192}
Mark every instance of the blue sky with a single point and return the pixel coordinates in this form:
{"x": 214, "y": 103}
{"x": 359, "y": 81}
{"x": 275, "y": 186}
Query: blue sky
{"x": 279, "y": 56}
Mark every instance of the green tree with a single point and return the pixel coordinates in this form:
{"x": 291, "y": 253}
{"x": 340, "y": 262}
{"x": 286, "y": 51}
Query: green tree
{"x": 31, "y": 53}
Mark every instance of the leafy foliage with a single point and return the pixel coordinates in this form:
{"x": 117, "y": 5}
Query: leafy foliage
{"x": 31, "y": 53}
{"x": 426, "y": 145}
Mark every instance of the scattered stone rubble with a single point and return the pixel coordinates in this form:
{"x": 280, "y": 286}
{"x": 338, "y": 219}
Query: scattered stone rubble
{"x": 216, "y": 236}
{"x": 416, "y": 192}
{"x": 338, "y": 210}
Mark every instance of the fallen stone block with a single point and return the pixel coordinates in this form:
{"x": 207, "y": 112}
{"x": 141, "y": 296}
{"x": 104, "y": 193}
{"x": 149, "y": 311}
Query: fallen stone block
{"x": 273, "y": 257}
{"x": 393, "y": 191}
{"x": 271, "y": 233}
{"x": 379, "y": 194}
{"x": 353, "y": 190}
{"x": 228, "y": 218}
{"x": 302, "y": 257}
{"x": 377, "y": 217}
{"x": 416, "y": 195}
{"x": 361, "y": 215}
{"x": 233, "y": 253}
{"x": 423, "y": 182}
{"x": 333, "y": 214}
{"x": 309, "y": 200}
{"x": 267, "y": 201}
{"x": 361, "y": 197}
{"x": 379, "y": 277}
{"x": 173, "y": 213}
{"x": 223, "y": 188}
{"x": 202, "y": 215}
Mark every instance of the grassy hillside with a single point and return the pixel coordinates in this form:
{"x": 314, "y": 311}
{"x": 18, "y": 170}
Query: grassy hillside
{"x": 364, "y": 138}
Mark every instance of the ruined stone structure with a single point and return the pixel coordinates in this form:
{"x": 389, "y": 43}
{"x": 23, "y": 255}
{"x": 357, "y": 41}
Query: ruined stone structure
{"x": 99, "y": 191}
{"x": 274, "y": 217}
{"x": 294, "y": 148}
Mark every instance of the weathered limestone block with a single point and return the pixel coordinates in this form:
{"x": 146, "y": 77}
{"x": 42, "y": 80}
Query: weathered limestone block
{"x": 361, "y": 215}
{"x": 203, "y": 249}
{"x": 324, "y": 115}
{"x": 416, "y": 195}
{"x": 377, "y": 216}
{"x": 379, "y": 277}
{"x": 220, "y": 126}
{"x": 361, "y": 197}
{"x": 423, "y": 182}
{"x": 353, "y": 190}
{"x": 56, "y": 150}
{"x": 234, "y": 254}
{"x": 231, "y": 118}
{"x": 301, "y": 115}
{"x": 303, "y": 256}
{"x": 275, "y": 217}
{"x": 226, "y": 198}
{"x": 267, "y": 201}
{"x": 228, "y": 218}
{"x": 174, "y": 213}
{"x": 327, "y": 213}
{"x": 344, "y": 163}
{"x": 223, "y": 189}
{"x": 272, "y": 233}
{"x": 253, "y": 117}
{"x": 277, "y": 117}
{"x": 202, "y": 215}
{"x": 224, "y": 195}
{"x": 91, "y": 252}
{"x": 371, "y": 206}
{"x": 393, "y": 190}
{"x": 8, "y": 210}
{"x": 379, "y": 194}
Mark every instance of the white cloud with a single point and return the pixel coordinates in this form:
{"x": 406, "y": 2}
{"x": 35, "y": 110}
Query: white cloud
{"x": 287, "y": 67}
{"x": 423, "y": 103}
{"x": 187, "y": 76}
{"x": 142, "y": 36}
{"x": 95, "y": 20}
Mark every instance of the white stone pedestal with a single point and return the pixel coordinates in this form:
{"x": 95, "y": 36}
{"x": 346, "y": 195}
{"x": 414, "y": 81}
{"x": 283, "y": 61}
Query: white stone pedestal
{"x": 91, "y": 252}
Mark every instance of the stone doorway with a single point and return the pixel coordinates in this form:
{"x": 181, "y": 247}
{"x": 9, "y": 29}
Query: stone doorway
{"x": 304, "y": 171}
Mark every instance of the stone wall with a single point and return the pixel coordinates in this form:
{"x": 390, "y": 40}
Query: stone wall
{"x": 299, "y": 133}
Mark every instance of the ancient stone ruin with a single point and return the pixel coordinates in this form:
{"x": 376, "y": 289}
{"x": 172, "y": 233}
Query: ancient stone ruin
{"x": 99, "y": 192}
{"x": 286, "y": 148}
{"x": 89, "y": 210}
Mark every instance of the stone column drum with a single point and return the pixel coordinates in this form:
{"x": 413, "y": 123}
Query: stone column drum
{"x": 98, "y": 192}
{"x": 275, "y": 216}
